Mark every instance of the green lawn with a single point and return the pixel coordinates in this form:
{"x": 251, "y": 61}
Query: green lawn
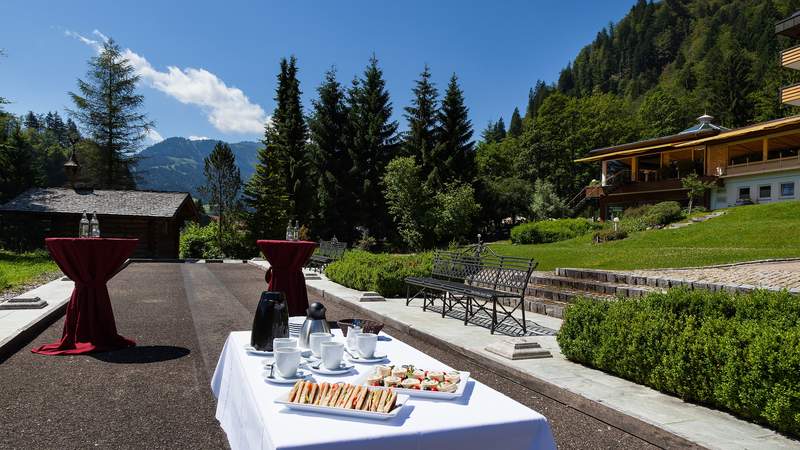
{"x": 744, "y": 233}
{"x": 17, "y": 269}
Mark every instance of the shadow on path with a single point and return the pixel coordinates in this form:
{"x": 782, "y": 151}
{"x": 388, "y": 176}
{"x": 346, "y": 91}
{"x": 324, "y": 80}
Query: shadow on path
{"x": 142, "y": 354}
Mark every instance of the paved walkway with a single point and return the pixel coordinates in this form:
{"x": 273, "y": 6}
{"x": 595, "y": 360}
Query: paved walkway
{"x": 778, "y": 274}
{"x": 157, "y": 395}
{"x": 704, "y": 426}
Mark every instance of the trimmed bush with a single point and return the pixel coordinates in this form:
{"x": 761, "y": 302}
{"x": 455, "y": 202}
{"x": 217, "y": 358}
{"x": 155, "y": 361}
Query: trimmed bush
{"x": 201, "y": 242}
{"x": 551, "y": 230}
{"x": 608, "y": 234}
{"x": 640, "y": 218}
{"x": 379, "y": 272}
{"x": 739, "y": 353}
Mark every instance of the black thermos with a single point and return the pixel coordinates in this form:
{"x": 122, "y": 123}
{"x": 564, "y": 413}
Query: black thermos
{"x": 271, "y": 320}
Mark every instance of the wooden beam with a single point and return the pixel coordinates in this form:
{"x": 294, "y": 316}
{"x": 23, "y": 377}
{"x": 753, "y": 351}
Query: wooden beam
{"x": 634, "y": 167}
{"x": 765, "y": 149}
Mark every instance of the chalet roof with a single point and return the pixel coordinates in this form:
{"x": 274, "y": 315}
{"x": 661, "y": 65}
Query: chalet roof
{"x": 789, "y": 26}
{"x": 703, "y": 136}
{"x": 105, "y": 202}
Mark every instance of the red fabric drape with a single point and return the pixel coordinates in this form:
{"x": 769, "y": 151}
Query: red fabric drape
{"x": 89, "y": 324}
{"x": 286, "y": 259}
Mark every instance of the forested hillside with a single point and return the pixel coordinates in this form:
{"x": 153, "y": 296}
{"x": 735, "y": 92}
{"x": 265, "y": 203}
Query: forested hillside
{"x": 648, "y": 75}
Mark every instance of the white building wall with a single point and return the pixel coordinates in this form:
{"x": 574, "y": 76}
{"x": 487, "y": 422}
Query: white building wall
{"x": 778, "y": 186}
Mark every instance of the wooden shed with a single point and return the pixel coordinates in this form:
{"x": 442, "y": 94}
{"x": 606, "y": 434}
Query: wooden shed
{"x": 153, "y": 217}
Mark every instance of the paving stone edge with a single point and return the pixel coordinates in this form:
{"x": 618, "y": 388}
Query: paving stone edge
{"x": 632, "y": 425}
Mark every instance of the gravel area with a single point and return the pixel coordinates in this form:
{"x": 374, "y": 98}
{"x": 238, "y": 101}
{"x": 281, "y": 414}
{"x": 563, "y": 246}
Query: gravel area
{"x": 157, "y": 394}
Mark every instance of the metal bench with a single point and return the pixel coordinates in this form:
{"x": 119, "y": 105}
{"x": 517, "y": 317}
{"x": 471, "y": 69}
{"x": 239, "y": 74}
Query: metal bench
{"x": 328, "y": 252}
{"x": 473, "y": 281}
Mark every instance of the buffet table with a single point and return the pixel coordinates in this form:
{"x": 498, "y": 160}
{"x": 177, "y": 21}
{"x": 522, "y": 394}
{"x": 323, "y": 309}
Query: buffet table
{"x": 483, "y": 418}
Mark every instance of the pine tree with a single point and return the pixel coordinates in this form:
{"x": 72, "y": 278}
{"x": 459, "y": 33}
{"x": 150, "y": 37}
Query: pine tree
{"x": 421, "y": 116}
{"x": 453, "y": 136}
{"x": 373, "y": 143}
{"x": 330, "y": 160}
{"x": 290, "y": 138}
{"x": 18, "y": 170}
{"x": 265, "y": 193}
{"x": 500, "y": 129}
{"x": 223, "y": 182}
{"x": 108, "y": 108}
{"x": 536, "y": 97}
{"x": 515, "y": 126}
{"x": 32, "y": 121}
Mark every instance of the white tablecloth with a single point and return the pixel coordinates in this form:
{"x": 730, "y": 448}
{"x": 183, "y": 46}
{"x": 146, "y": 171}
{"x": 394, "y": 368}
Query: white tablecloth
{"x": 482, "y": 419}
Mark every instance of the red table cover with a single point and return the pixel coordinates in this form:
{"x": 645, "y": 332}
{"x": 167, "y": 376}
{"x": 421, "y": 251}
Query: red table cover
{"x": 89, "y": 324}
{"x": 286, "y": 259}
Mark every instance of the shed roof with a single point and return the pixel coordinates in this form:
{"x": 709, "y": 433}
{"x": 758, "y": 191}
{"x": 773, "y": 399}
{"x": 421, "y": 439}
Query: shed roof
{"x": 105, "y": 202}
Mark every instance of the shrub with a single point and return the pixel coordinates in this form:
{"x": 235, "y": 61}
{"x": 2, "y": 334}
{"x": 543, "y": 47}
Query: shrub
{"x": 740, "y": 352}
{"x": 546, "y": 204}
{"x": 609, "y": 234}
{"x": 201, "y": 242}
{"x": 551, "y": 230}
{"x": 640, "y": 218}
{"x": 380, "y": 272}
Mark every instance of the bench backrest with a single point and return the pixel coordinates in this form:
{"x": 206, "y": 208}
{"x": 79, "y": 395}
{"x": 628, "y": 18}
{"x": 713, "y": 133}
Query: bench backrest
{"x": 332, "y": 249}
{"x": 502, "y": 273}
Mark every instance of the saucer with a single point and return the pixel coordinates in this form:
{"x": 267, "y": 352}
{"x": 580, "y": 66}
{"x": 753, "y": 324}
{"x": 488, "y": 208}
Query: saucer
{"x": 277, "y": 379}
{"x": 363, "y": 360}
{"x": 343, "y": 368}
{"x": 252, "y": 350}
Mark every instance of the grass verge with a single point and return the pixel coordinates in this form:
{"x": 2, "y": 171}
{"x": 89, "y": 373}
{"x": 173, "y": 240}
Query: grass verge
{"x": 19, "y": 269}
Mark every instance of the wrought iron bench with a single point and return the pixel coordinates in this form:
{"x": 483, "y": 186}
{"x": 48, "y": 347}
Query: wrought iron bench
{"x": 328, "y": 252}
{"x": 473, "y": 281}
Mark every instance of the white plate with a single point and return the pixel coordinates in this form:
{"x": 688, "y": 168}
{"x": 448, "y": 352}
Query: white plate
{"x": 424, "y": 394}
{"x": 362, "y": 360}
{"x": 345, "y": 368}
{"x": 401, "y": 403}
{"x": 250, "y": 349}
{"x": 277, "y": 379}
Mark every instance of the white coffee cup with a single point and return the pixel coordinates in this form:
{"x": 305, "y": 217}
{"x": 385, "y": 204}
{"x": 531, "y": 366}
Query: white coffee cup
{"x": 315, "y": 339}
{"x": 365, "y": 344}
{"x": 286, "y": 361}
{"x": 279, "y": 343}
{"x": 331, "y": 353}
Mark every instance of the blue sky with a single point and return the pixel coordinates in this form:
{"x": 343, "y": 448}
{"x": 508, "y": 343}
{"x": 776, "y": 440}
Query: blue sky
{"x": 208, "y": 68}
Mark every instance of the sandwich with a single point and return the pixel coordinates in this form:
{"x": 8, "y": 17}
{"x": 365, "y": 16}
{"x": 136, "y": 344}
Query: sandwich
{"x": 383, "y": 371}
{"x": 294, "y": 393}
{"x": 321, "y": 392}
{"x": 345, "y": 396}
{"x": 387, "y": 401}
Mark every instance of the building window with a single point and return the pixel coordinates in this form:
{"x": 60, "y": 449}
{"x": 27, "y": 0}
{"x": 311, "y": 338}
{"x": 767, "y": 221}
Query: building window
{"x": 744, "y": 193}
{"x": 765, "y": 191}
{"x": 787, "y": 189}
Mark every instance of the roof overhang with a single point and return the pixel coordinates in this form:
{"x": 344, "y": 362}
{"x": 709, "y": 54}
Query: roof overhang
{"x": 789, "y": 26}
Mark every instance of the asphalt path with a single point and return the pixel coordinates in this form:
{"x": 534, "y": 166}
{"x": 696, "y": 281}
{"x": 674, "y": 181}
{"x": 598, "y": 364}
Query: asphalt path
{"x": 157, "y": 395}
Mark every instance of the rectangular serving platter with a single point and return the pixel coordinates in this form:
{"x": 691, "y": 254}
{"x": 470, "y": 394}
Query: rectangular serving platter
{"x": 342, "y": 412}
{"x": 420, "y": 393}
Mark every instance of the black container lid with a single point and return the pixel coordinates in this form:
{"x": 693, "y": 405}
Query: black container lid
{"x": 316, "y": 311}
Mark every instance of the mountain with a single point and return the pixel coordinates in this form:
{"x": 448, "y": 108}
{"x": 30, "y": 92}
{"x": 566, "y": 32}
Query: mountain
{"x": 176, "y": 163}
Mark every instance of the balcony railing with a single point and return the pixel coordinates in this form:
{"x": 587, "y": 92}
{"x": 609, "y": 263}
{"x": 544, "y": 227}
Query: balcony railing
{"x": 791, "y": 57}
{"x": 789, "y": 162}
{"x": 791, "y": 94}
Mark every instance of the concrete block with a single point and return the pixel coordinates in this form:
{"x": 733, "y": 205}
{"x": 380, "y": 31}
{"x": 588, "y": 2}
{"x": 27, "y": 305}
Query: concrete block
{"x": 662, "y": 283}
{"x": 371, "y": 297}
{"x": 652, "y": 281}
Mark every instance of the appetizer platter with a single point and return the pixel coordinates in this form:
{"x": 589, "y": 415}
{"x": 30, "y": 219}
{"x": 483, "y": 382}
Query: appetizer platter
{"x": 417, "y": 382}
{"x": 344, "y": 399}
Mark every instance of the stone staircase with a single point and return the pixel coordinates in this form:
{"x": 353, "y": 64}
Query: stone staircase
{"x": 550, "y": 293}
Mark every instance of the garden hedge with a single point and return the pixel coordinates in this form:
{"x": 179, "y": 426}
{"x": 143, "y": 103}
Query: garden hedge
{"x": 739, "y": 353}
{"x": 551, "y": 230}
{"x": 379, "y": 272}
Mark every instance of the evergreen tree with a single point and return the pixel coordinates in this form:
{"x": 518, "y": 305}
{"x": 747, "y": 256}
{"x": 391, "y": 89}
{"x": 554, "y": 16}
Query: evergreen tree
{"x": 373, "y": 143}
{"x": 488, "y": 134}
{"x": 108, "y": 108}
{"x": 453, "y": 136}
{"x": 265, "y": 193}
{"x": 515, "y": 126}
{"x": 421, "y": 116}
{"x": 536, "y": 97}
{"x": 500, "y": 129}
{"x": 18, "y": 169}
{"x": 223, "y": 182}
{"x": 290, "y": 139}
{"x": 32, "y": 121}
{"x": 330, "y": 160}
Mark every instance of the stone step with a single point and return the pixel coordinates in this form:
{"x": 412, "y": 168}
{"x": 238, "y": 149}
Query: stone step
{"x": 591, "y": 286}
{"x": 561, "y": 294}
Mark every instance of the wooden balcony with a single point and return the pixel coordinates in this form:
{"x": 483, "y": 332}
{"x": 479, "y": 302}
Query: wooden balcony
{"x": 791, "y": 95}
{"x": 791, "y": 58}
{"x": 771, "y": 165}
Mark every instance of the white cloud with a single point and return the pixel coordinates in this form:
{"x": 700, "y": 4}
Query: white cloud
{"x": 199, "y": 138}
{"x": 153, "y": 136}
{"x": 227, "y": 108}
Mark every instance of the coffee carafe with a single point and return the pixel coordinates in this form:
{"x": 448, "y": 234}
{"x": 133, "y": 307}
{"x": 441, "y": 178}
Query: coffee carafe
{"x": 271, "y": 320}
{"x": 315, "y": 323}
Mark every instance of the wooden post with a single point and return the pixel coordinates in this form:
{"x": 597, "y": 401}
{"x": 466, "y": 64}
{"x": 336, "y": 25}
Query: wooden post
{"x": 604, "y": 176}
{"x": 634, "y": 167}
{"x": 765, "y": 149}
